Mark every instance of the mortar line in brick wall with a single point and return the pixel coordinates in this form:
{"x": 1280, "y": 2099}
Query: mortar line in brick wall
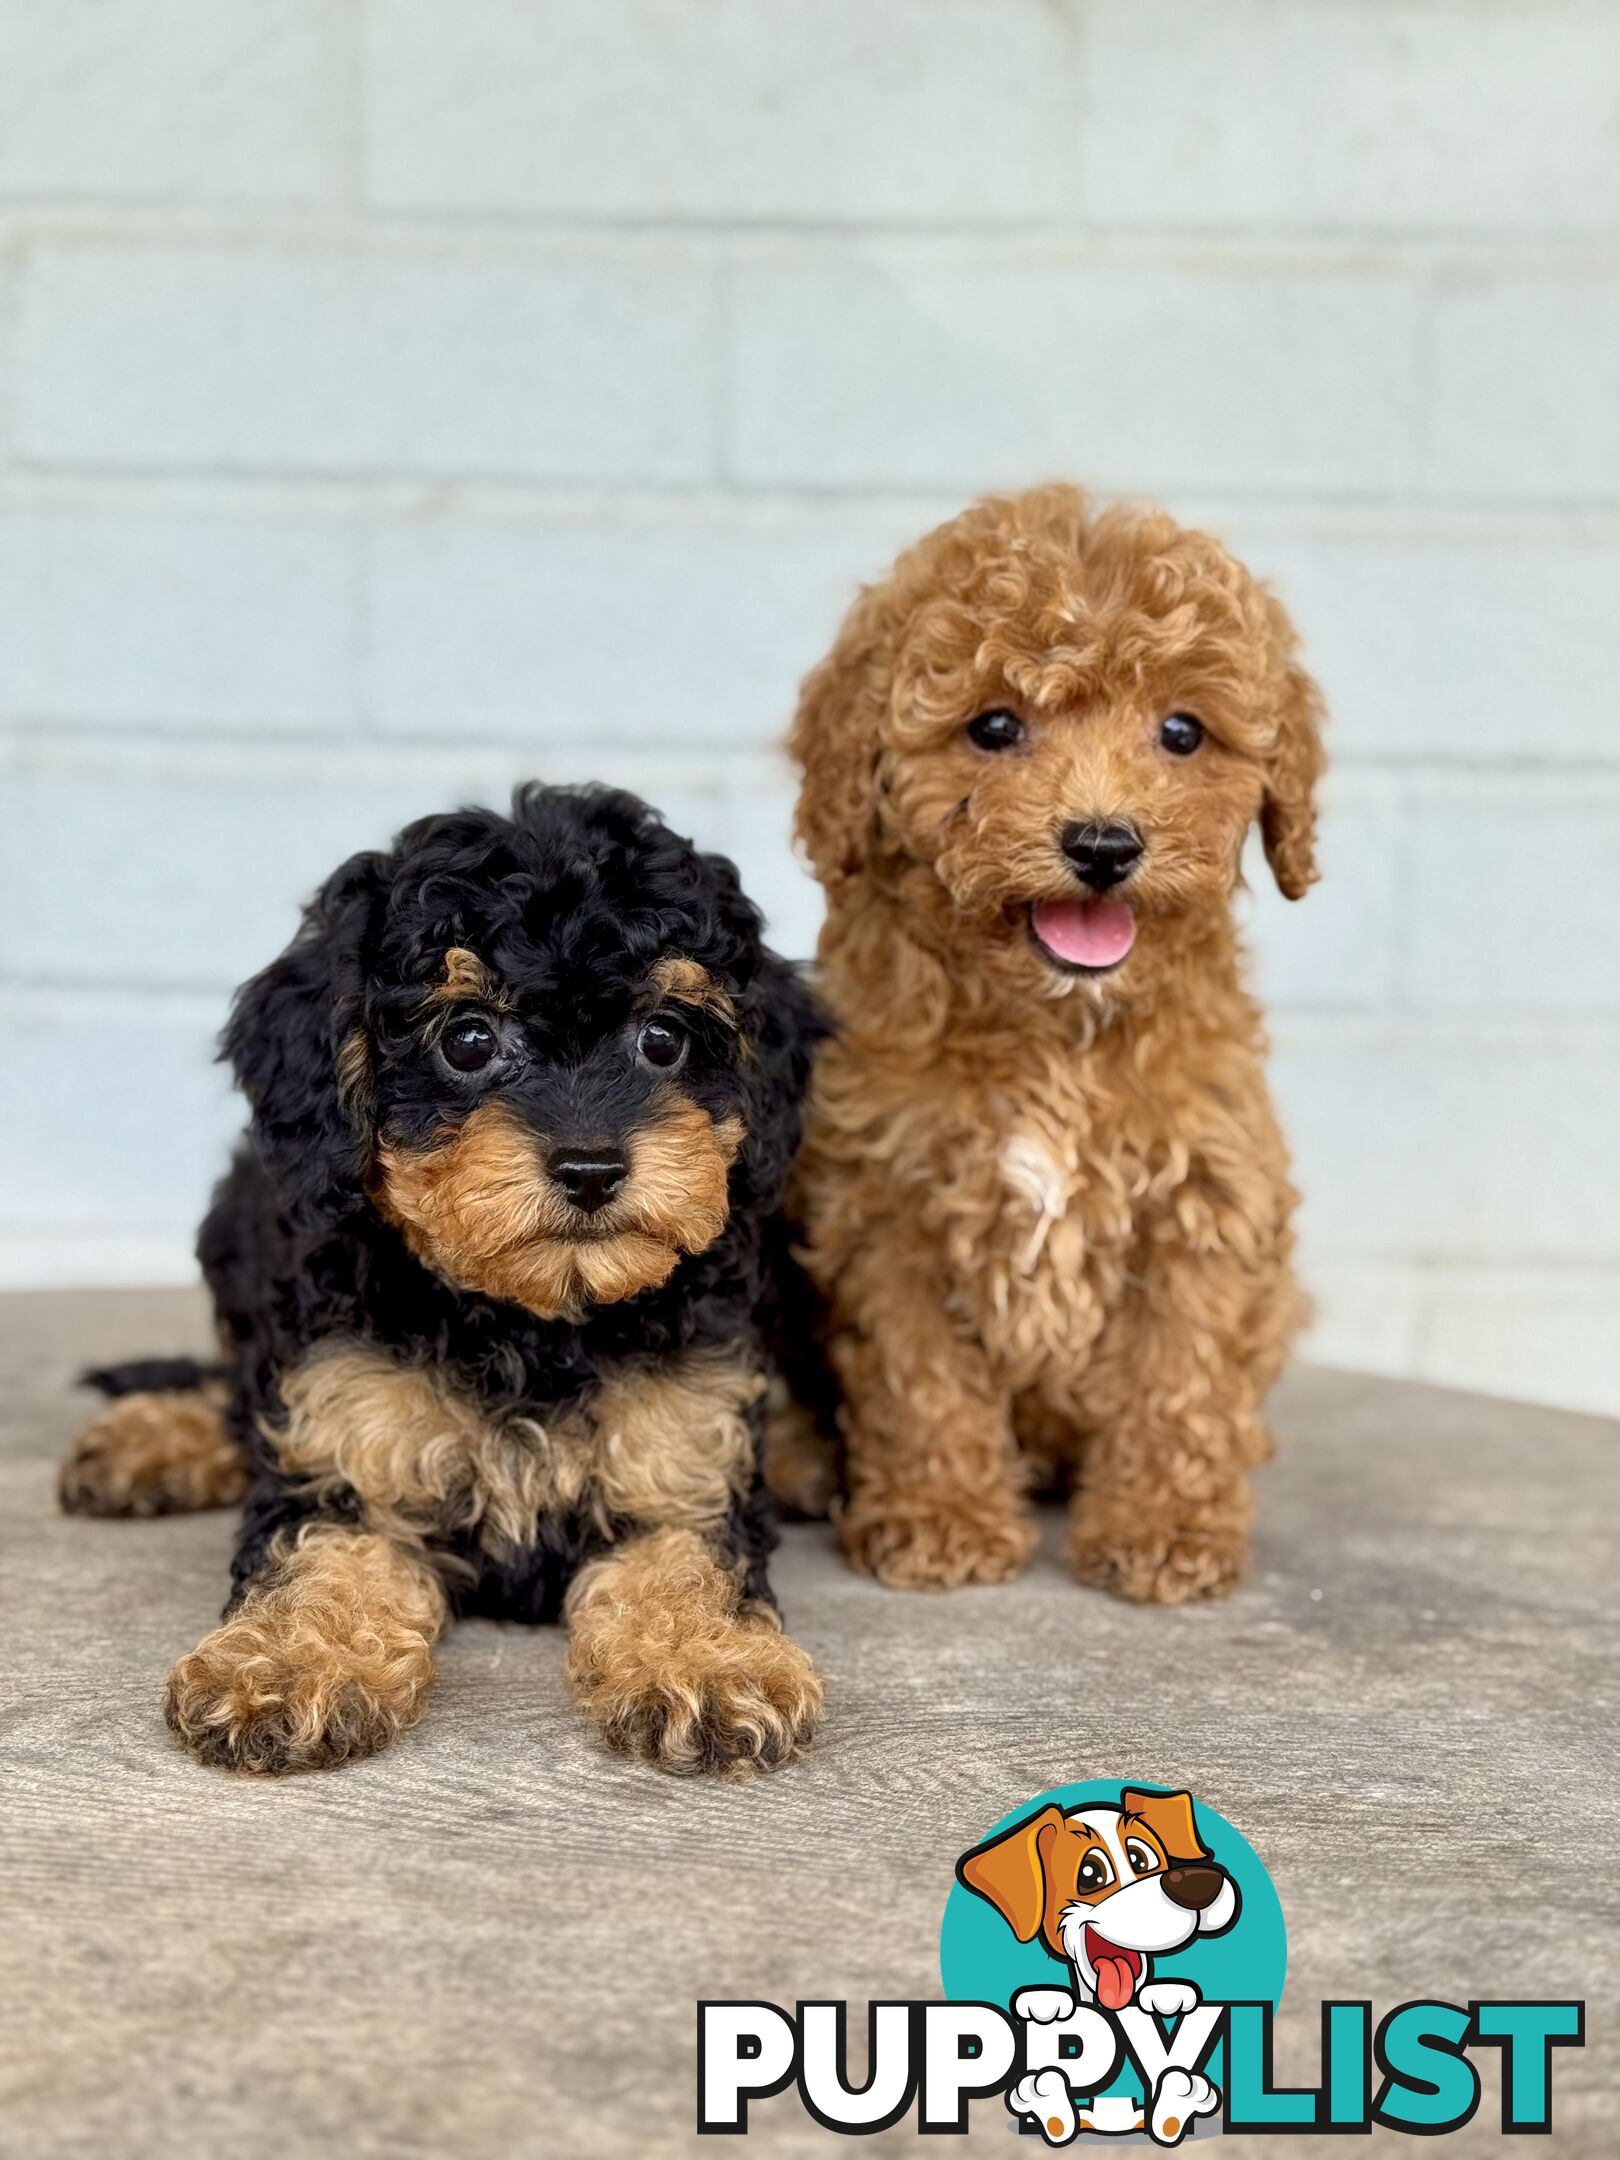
{"x": 1537, "y": 252}
{"x": 1430, "y": 1272}
{"x": 724, "y": 375}
{"x": 715, "y": 754}
{"x": 361, "y": 632}
{"x": 228, "y": 469}
{"x": 175, "y": 491}
{"x": 1425, "y": 325}
{"x": 1400, "y": 984}
{"x": 731, "y": 765}
{"x": 443, "y": 491}
{"x": 11, "y": 275}
{"x": 1368, "y": 501}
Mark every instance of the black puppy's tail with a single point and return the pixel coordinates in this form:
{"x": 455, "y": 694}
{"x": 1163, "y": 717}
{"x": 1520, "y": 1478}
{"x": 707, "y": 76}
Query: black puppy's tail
{"x": 148, "y": 1376}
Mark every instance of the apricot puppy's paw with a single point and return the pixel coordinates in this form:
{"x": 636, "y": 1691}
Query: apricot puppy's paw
{"x": 732, "y": 1699}
{"x": 244, "y": 1701}
{"x": 939, "y": 1550}
{"x": 161, "y": 1452}
{"x": 1157, "y": 1559}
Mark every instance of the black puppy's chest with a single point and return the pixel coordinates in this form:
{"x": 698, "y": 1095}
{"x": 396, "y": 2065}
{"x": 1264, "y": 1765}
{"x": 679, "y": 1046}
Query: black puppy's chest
{"x": 515, "y": 1494}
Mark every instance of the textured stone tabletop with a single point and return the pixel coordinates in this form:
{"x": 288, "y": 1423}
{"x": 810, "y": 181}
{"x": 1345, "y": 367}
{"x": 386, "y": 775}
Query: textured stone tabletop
{"x": 490, "y": 1941}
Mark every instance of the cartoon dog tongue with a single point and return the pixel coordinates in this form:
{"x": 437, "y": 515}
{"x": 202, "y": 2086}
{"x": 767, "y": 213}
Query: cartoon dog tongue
{"x": 1114, "y": 1976}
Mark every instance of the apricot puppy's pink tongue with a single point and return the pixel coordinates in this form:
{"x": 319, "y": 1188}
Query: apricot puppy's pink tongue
{"x": 1113, "y": 1982}
{"x": 1085, "y": 933}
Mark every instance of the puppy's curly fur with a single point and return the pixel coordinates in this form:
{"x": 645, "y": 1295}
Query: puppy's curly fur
{"x": 1047, "y": 1205}
{"x": 493, "y": 1283}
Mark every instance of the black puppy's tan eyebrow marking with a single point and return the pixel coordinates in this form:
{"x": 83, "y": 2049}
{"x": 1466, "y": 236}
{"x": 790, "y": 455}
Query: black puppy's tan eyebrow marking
{"x": 467, "y": 978}
{"x": 686, "y": 983}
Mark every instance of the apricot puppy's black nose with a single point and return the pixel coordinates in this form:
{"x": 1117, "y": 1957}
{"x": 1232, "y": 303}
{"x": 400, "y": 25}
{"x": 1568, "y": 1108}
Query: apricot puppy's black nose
{"x": 590, "y": 1177}
{"x": 1101, "y": 854}
{"x": 1192, "y": 1888}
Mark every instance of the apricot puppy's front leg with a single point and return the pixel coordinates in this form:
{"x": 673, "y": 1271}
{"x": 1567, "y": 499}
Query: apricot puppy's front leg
{"x": 1164, "y": 1506}
{"x": 936, "y": 1483}
{"x": 329, "y": 1655}
{"x": 678, "y": 1667}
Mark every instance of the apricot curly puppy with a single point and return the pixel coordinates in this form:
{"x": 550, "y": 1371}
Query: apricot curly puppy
{"x": 1043, "y": 1193}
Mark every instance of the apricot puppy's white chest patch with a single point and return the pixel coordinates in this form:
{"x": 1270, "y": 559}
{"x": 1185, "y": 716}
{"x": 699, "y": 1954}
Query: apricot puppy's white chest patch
{"x": 663, "y": 1446}
{"x": 1033, "y": 1171}
{"x": 1037, "y": 1177}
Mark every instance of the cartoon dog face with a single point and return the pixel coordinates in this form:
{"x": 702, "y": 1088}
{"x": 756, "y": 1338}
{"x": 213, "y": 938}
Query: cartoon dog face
{"x": 1106, "y": 1887}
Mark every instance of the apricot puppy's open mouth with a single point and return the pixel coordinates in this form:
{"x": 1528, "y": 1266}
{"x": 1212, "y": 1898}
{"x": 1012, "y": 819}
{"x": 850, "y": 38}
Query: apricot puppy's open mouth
{"x": 1084, "y": 937}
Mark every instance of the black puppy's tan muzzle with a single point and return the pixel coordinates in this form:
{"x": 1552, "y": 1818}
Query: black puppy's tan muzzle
{"x": 1192, "y": 1888}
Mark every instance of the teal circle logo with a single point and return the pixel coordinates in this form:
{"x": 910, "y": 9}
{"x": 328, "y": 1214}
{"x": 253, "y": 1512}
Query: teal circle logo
{"x": 1043, "y": 1881}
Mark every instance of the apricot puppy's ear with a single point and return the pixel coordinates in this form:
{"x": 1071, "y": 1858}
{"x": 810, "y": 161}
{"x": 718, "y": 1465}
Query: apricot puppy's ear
{"x": 1288, "y": 816}
{"x": 1007, "y": 1871}
{"x": 1170, "y": 1817}
{"x": 837, "y": 737}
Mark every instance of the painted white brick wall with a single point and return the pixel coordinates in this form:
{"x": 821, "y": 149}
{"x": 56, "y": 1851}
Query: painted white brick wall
{"x": 397, "y": 399}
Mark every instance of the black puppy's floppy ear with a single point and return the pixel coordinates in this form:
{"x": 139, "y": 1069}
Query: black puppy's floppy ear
{"x": 296, "y": 1039}
{"x": 781, "y": 1025}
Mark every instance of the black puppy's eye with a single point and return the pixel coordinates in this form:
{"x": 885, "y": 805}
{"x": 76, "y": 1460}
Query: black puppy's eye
{"x": 662, "y": 1043}
{"x": 998, "y": 730}
{"x": 468, "y": 1045}
{"x": 1181, "y": 734}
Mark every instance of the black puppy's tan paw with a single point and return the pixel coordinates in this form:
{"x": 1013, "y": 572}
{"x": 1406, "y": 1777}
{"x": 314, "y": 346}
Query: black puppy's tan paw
{"x": 328, "y": 1660}
{"x": 158, "y": 1452}
{"x": 744, "y": 1699}
{"x": 673, "y": 1669}
{"x": 239, "y": 1706}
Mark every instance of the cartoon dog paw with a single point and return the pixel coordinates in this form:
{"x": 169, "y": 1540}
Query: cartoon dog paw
{"x": 1043, "y": 2005}
{"x": 1179, "y": 2098}
{"x": 1044, "y": 2096}
{"x": 1169, "y": 1998}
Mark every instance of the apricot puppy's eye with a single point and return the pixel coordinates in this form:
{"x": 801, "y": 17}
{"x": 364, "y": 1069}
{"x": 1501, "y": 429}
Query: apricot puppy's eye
{"x": 1181, "y": 734}
{"x": 998, "y": 730}
{"x": 662, "y": 1043}
{"x": 468, "y": 1045}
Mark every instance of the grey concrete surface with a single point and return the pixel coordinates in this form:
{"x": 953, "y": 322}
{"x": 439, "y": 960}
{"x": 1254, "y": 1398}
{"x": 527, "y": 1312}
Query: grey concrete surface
{"x": 491, "y": 1941}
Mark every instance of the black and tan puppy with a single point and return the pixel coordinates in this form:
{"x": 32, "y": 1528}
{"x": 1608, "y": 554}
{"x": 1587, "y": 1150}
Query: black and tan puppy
{"x": 491, "y": 1277}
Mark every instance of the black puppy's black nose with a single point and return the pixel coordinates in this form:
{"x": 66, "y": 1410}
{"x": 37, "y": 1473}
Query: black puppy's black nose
{"x": 589, "y": 1176}
{"x": 1101, "y": 854}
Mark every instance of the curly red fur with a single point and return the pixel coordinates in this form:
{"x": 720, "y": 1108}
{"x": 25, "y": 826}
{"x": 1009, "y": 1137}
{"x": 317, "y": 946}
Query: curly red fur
{"x": 1050, "y": 1212}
